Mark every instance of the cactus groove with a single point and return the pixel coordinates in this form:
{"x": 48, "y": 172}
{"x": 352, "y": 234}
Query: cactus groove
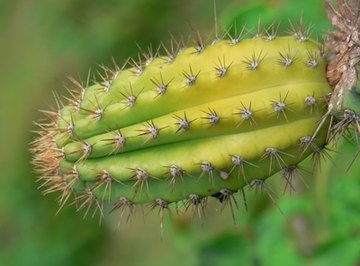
{"x": 200, "y": 121}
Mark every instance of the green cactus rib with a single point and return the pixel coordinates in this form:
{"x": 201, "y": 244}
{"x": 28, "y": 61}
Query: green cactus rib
{"x": 195, "y": 180}
{"x": 227, "y": 113}
{"x": 195, "y": 123}
{"x": 273, "y": 57}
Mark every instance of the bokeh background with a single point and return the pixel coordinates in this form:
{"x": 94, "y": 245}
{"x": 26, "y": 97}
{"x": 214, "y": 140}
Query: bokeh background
{"x": 44, "y": 41}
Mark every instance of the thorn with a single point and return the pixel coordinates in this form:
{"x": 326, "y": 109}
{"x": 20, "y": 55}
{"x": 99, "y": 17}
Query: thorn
{"x": 271, "y": 32}
{"x": 239, "y": 162}
{"x": 286, "y": 58}
{"x": 253, "y": 63}
{"x": 183, "y": 123}
{"x": 118, "y": 141}
{"x": 207, "y": 167}
{"x": 197, "y": 205}
{"x": 215, "y": 25}
{"x": 305, "y": 143}
{"x": 280, "y": 107}
{"x": 190, "y": 77}
{"x": 139, "y": 67}
{"x": 88, "y": 199}
{"x": 246, "y": 115}
{"x": 151, "y": 130}
{"x": 125, "y": 206}
{"x": 319, "y": 154}
{"x": 162, "y": 204}
{"x": 149, "y": 55}
{"x": 161, "y": 86}
{"x": 141, "y": 177}
{"x": 221, "y": 68}
{"x": 310, "y": 101}
{"x": 321, "y": 123}
{"x": 313, "y": 59}
{"x": 86, "y": 148}
{"x": 212, "y": 116}
{"x": 299, "y": 31}
{"x": 237, "y": 37}
{"x": 199, "y": 48}
{"x": 261, "y": 186}
{"x": 275, "y": 155}
{"x": 130, "y": 97}
{"x": 98, "y": 112}
{"x": 290, "y": 173}
{"x": 226, "y": 197}
{"x": 68, "y": 188}
{"x": 105, "y": 179}
{"x": 175, "y": 172}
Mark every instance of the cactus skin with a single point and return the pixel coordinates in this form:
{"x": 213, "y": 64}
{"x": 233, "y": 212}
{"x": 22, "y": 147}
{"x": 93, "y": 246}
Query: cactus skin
{"x": 201, "y": 121}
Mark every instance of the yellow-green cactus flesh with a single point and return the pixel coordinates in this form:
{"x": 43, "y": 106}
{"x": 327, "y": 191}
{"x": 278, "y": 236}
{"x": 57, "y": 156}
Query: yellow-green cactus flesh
{"x": 196, "y": 123}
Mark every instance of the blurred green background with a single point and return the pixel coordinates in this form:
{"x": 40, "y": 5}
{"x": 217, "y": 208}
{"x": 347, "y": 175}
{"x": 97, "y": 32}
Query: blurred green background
{"x": 44, "y": 41}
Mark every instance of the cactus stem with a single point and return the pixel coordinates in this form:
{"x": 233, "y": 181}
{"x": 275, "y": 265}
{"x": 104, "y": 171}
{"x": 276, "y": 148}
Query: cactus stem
{"x": 113, "y": 117}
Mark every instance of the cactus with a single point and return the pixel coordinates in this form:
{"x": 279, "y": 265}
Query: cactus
{"x": 199, "y": 121}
